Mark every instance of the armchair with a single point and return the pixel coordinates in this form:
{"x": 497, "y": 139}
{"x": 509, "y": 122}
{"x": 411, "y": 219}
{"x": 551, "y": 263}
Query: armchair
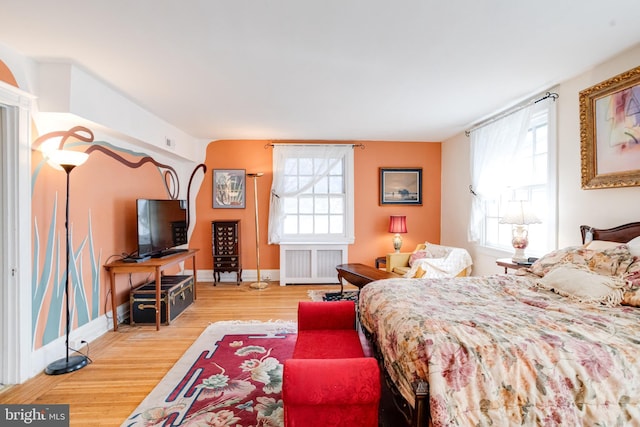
{"x": 430, "y": 260}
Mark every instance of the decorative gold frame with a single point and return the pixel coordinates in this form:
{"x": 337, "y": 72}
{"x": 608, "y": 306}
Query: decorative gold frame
{"x": 593, "y": 101}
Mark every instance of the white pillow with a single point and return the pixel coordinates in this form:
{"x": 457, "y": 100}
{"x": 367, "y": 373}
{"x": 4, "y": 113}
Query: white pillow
{"x": 601, "y": 245}
{"x": 583, "y": 285}
{"x": 634, "y": 246}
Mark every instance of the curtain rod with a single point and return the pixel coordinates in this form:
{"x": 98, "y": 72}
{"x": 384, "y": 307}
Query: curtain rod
{"x": 510, "y": 111}
{"x": 271, "y": 144}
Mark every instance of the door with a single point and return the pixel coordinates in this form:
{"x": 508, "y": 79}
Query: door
{"x": 15, "y": 236}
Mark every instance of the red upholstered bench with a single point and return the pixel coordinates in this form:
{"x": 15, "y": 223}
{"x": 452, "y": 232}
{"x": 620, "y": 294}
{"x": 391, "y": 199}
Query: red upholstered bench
{"x": 329, "y": 381}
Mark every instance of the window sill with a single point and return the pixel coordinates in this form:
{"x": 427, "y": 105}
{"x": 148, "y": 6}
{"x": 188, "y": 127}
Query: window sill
{"x": 495, "y": 252}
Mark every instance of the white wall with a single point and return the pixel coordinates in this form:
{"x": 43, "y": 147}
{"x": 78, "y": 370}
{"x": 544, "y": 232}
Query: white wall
{"x": 600, "y": 208}
{"x": 65, "y": 90}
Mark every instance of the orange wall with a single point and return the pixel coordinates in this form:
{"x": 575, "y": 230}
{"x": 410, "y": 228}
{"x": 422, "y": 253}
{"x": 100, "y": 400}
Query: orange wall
{"x": 103, "y": 228}
{"x": 371, "y": 219}
{"x": 253, "y": 157}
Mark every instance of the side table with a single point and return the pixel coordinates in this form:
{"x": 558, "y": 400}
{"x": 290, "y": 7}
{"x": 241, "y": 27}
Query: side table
{"x": 154, "y": 266}
{"x": 359, "y": 274}
{"x": 508, "y": 263}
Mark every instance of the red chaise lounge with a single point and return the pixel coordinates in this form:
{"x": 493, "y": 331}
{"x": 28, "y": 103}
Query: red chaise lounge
{"x": 329, "y": 381}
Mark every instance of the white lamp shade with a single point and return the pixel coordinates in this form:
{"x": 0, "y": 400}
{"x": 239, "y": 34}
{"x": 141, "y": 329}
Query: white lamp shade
{"x": 519, "y": 213}
{"x": 67, "y": 157}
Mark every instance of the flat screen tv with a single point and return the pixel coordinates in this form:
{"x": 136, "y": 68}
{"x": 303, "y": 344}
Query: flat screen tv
{"x": 162, "y": 225}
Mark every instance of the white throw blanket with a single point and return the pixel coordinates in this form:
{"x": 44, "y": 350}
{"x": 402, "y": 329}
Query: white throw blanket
{"x": 455, "y": 261}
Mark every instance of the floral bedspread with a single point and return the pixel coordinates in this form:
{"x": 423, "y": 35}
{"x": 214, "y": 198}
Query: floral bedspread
{"x": 497, "y": 350}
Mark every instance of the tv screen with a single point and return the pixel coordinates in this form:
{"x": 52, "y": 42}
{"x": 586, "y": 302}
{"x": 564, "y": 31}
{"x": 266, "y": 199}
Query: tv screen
{"x": 162, "y": 225}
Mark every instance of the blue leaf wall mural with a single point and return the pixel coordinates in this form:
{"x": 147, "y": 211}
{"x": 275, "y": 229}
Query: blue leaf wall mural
{"x": 50, "y": 281}
{"x": 54, "y": 316}
{"x": 49, "y": 275}
{"x": 95, "y": 273}
{"x": 81, "y": 306}
{"x": 40, "y": 281}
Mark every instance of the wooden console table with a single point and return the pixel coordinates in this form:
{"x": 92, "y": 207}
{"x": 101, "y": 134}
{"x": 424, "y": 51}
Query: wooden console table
{"x": 152, "y": 265}
{"x": 360, "y": 274}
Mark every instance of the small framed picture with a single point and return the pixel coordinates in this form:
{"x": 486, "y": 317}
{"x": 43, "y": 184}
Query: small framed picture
{"x": 401, "y": 186}
{"x": 229, "y": 189}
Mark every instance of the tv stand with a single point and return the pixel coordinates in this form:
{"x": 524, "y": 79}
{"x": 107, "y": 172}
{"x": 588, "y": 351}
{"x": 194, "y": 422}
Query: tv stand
{"x": 168, "y": 252}
{"x": 136, "y": 258}
{"x": 152, "y": 265}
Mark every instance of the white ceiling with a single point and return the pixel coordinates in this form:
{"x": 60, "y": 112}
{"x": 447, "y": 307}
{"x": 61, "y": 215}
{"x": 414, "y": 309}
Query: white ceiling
{"x": 413, "y": 70}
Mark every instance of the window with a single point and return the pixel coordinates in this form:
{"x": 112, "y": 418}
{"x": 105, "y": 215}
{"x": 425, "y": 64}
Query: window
{"x": 513, "y": 158}
{"x": 312, "y": 194}
{"x": 320, "y": 208}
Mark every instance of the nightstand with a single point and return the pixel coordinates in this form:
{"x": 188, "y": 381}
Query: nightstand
{"x": 508, "y": 263}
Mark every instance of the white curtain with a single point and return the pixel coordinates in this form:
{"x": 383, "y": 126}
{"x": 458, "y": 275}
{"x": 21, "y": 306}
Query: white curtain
{"x": 327, "y": 156}
{"x": 493, "y": 150}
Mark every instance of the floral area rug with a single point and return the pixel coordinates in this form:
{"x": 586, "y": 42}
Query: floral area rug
{"x": 230, "y": 376}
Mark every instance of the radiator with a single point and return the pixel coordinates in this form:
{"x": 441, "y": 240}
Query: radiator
{"x": 305, "y": 263}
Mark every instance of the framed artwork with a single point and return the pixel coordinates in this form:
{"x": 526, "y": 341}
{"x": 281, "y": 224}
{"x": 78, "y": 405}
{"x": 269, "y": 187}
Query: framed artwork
{"x": 610, "y": 132}
{"x": 401, "y": 186}
{"x": 229, "y": 189}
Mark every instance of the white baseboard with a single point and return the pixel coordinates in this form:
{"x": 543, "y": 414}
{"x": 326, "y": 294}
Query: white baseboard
{"x": 89, "y": 332}
{"x": 247, "y": 276}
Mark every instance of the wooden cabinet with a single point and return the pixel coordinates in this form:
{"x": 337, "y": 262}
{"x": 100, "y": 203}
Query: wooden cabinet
{"x": 225, "y": 237}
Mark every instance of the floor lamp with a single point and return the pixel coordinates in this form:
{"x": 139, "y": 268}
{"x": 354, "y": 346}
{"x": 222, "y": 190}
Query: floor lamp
{"x": 258, "y": 284}
{"x": 67, "y": 160}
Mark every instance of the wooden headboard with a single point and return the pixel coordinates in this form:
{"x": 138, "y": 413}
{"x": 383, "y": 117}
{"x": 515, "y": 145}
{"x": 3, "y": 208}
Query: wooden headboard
{"x": 621, "y": 233}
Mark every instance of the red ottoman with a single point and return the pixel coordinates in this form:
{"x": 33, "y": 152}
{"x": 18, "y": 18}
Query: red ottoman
{"x": 329, "y": 381}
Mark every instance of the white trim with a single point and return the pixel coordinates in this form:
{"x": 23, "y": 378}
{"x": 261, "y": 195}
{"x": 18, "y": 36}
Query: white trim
{"x": 206, "y": 276}
{"x": 350, "y": 208}
{"x": 103, "y": 324}
{"x": 88, "y": 332}
{"x": 16, "y": 268}
{"x": 552, "y": 177}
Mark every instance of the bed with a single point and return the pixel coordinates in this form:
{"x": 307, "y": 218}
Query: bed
{"x": 522, "y": 349}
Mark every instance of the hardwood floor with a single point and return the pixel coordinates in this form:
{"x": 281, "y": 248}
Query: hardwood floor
{"x": 127, "y": 364}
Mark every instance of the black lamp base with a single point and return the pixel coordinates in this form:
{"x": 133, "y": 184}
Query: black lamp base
{"x": 64, "y": 366}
